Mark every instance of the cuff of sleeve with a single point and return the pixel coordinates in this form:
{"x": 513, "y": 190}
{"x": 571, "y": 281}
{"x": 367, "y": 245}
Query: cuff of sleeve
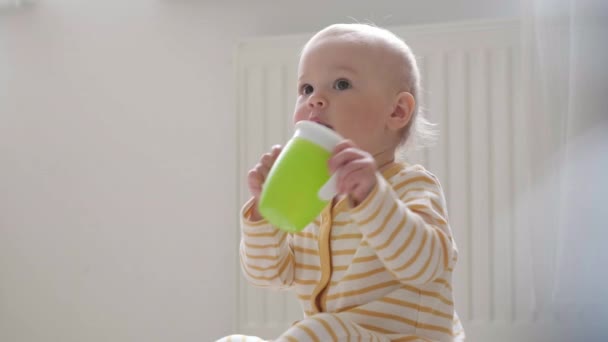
{"x": 249, "y": 224}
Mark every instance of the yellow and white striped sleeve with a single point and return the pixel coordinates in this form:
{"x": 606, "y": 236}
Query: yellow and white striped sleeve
{"x": 406, "y": 224}
{"x": 266, "y": 254}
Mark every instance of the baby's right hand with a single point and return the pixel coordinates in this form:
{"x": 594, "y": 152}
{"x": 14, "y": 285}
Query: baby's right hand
{"x": 257, "y": 176}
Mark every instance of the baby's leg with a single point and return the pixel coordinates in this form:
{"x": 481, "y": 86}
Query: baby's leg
{"x": 329, "y": 327}
{"x": 240, "y": 338}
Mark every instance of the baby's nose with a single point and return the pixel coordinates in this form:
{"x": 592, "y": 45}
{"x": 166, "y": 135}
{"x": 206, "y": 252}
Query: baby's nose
{"x": 317, "y": 101}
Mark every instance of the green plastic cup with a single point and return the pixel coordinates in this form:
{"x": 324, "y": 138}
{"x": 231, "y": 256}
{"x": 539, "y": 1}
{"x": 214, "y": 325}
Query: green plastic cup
{"x": 299, "y": 185}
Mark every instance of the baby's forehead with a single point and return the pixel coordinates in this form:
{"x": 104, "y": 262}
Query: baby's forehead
{"x": 342, "y": 50}
{"x": 374, "y": 49}
{"x": 347, "y": 47}
{"x": 329, "y": 55}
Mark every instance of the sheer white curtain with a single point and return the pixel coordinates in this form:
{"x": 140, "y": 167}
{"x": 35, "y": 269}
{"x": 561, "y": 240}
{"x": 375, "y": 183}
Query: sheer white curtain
{"x": 566, "y": 58}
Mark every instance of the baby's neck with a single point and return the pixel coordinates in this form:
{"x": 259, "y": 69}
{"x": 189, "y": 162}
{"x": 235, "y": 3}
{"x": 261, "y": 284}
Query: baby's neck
{"x": 384, "y": 158}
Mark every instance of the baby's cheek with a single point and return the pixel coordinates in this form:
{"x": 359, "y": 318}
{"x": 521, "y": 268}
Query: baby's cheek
{"x": 298, "y": 116}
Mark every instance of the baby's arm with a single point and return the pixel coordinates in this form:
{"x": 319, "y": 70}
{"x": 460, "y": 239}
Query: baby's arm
{"x": 266, "y": 253}
{"x": 407, "y": 226}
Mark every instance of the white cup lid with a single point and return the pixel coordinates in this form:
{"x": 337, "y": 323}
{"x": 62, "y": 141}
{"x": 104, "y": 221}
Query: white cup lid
{"x": 318, "y": 134}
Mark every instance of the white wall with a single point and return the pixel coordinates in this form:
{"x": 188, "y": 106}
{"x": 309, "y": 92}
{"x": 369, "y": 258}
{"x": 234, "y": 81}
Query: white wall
{"x": 117, "y": 159}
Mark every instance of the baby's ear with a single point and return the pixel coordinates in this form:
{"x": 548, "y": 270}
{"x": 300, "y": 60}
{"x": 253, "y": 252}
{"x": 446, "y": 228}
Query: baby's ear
{"x": 402, "y": 113}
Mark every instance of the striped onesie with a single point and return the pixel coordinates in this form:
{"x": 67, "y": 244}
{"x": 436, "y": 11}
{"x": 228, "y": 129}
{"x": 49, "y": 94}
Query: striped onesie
{"x": 381, "y": 271}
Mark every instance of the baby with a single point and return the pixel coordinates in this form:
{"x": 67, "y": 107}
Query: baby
{"x": 377, "y": 263}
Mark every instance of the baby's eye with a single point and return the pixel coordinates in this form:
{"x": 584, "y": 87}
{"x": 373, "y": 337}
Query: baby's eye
{"x": 342, "y": 84}
{"x": 306, "y": 89}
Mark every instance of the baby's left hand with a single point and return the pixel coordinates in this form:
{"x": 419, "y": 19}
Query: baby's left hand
{"x": 356, "y": 171}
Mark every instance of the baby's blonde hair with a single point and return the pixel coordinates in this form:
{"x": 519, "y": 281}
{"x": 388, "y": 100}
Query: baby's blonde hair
{"x": 418, "y": 132}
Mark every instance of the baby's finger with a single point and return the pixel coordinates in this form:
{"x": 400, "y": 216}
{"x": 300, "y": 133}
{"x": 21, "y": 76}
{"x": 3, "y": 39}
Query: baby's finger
{"x": 263, "y": 170}
{"x": 256, "y": 192}
{"x": 359, "y": 193}
{"x": 267, "y": 160}
{"x": 343, "y": 145}
{"x": 344, "y": 176}
{"x": 254, "y": 181}
{"x": 276, "y": 150}
{"x": 343, "y": 157}
{"x": 254, "y": 177}
{"x": 359, "y": 183}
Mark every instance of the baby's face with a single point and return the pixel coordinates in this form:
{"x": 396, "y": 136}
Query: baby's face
{"x": 342, "y": 84}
